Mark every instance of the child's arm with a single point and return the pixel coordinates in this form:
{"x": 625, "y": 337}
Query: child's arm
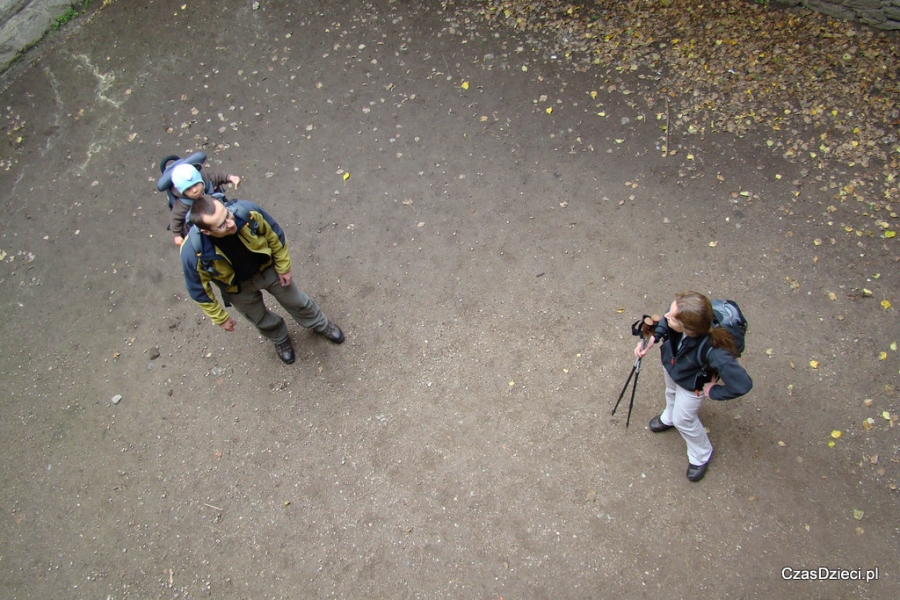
{"x": 218, "y": 179}
{"x": 176, "y": 222}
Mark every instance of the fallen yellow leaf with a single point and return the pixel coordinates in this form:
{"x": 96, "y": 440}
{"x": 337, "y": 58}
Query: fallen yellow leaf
{"x": 889, "y": 233}
{"x": 814, "y": 364}
{"x": 346, "y": 176}
{"x": 465, "y": 85}
{"x": 836, "y": 434}
{"x": 885, "y": 304}
{"x": 549, "y": 110}
{"x": 886, "y": 415}
{"x": 713, "y": 244}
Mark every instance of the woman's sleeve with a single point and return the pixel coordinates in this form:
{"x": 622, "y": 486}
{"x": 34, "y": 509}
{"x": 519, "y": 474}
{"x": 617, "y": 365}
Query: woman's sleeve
{"x": 661, "y": 331}
{"x": 733, "y": 379}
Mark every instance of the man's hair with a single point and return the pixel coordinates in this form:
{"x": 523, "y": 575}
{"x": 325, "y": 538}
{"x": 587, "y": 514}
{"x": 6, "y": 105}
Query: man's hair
{"x": 696, "y": 316}
{"x": 204, "y": 206}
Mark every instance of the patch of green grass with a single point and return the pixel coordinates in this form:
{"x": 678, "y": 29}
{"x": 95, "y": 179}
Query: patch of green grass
{"x": 64, "y": 18}
{"x": 71, "y": 13}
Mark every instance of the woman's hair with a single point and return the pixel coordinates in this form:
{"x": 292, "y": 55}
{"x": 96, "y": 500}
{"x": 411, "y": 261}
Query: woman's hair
{"x": 695, "y": 314}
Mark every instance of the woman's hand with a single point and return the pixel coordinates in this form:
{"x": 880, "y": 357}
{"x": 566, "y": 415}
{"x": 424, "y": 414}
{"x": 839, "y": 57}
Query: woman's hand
{"x": 640, "y": 350}
{"x": 707, "y": 387}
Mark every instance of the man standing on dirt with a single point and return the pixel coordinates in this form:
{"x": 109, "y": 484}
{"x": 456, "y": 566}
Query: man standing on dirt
{"x": 242, "y": 249}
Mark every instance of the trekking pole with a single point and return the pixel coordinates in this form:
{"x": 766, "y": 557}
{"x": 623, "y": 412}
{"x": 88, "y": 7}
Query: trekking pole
{"x": 641, "y": 328}
{"x": 635, "y": 371}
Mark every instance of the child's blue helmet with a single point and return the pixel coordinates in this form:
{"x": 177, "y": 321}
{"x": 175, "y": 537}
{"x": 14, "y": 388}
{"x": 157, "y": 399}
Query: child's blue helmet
{"x": 184, "y": 176}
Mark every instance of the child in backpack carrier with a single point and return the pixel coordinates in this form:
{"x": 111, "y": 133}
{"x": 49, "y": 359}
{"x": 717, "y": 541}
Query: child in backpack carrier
{"x": 185, "y": 180}
{"x": 691, "y": 342}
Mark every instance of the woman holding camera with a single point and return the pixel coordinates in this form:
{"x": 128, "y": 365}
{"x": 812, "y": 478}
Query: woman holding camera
{"x": 686, "y": 333}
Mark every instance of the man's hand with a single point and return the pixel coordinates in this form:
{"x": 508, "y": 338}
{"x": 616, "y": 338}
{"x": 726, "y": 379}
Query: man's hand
{"x": 284, "y": 279}
{"x": 235, "y": 180}
{"x": 178, "y": 240}
{"x": 228, "y": 325}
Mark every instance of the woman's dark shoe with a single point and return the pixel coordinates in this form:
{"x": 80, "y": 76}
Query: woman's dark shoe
{"x": 695, "y": 472}
{"x": 657, "y": 426}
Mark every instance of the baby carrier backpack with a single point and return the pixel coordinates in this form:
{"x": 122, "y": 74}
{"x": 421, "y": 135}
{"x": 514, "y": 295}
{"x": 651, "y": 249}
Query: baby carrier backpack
{"x": 164, "y": 184}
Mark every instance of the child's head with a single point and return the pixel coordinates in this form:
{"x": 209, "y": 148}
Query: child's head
{"x": 188, "y": 181}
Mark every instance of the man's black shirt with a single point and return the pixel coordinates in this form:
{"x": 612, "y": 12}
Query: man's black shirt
{"x": 245, "y": 263}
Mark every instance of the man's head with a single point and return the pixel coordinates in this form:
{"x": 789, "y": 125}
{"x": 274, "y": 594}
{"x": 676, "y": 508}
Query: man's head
{"x": 188, "y": 181}
{"x": 212, "y": 218}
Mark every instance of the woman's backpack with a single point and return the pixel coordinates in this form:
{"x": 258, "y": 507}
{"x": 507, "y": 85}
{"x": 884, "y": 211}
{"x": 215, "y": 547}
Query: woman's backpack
{"x": 727, "y": 314}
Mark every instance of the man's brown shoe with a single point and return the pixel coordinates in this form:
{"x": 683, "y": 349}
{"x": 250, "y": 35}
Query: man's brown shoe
{"x": 285, "y": 351}
{"x": 333, "y": 333}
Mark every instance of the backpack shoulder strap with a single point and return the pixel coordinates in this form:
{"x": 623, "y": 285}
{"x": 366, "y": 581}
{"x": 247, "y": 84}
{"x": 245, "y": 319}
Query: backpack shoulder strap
{"x": 241, "y": 211}
{"x": 193, "y": 237}
{"x": 703, "y": 357}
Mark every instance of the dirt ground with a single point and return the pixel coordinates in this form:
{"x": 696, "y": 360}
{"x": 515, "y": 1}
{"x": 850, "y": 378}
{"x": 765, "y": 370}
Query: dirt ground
{"x": 485, "y": 256}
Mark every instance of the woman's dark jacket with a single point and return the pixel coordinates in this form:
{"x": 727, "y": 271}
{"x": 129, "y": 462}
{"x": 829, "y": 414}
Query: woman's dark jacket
{"x": 684, "y": 364}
